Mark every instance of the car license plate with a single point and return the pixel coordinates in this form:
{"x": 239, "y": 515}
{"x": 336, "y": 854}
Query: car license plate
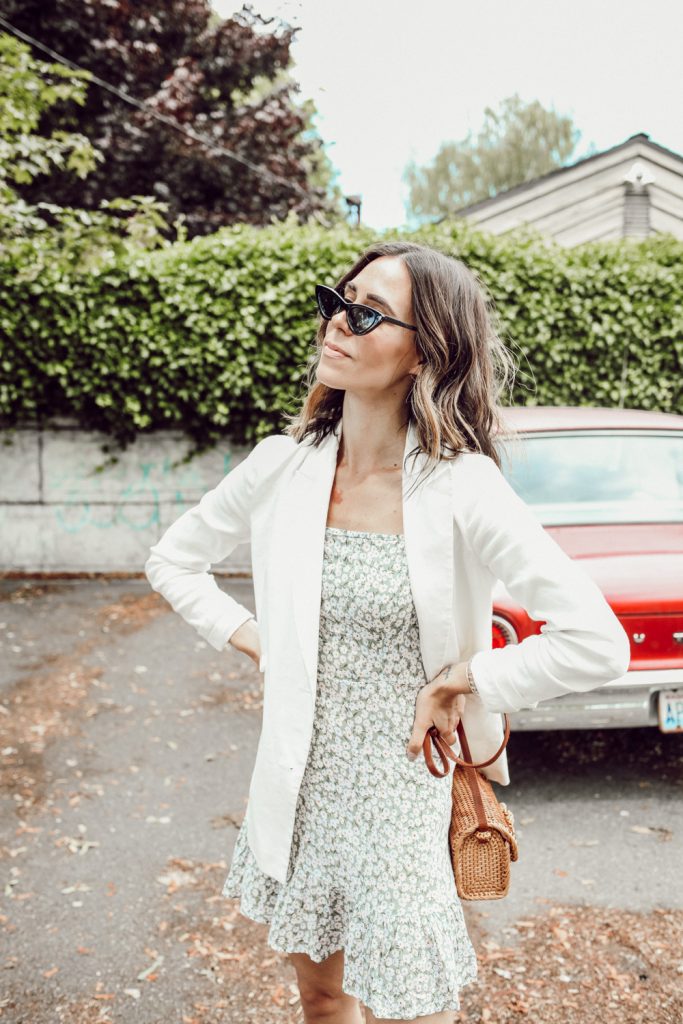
{"x": 670, "y": 710}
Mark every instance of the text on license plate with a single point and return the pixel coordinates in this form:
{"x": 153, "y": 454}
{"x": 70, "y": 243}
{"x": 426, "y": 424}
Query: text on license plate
{"x": 670, "y": 710}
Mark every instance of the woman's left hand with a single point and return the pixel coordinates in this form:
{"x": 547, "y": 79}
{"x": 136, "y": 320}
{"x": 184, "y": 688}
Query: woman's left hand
{"x": 440, "y": 703}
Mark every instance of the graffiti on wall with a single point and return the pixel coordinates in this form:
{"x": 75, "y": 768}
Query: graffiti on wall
{"x": 128, "y": 495}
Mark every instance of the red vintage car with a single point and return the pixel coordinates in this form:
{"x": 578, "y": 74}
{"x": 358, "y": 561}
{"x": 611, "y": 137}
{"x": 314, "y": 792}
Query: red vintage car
{"x": 607, "y": 485}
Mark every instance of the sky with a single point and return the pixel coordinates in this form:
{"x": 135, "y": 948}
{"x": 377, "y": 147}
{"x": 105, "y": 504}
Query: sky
{"x": 393, "y": 80}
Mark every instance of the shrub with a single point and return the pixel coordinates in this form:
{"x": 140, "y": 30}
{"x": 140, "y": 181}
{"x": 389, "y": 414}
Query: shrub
{"x": 211, "y": 336}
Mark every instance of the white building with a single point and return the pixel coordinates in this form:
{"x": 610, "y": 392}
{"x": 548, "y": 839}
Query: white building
{"x": 633, "y": 190}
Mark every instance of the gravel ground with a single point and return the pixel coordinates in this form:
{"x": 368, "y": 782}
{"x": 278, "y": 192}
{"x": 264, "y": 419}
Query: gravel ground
{"x": 127, "y": 746}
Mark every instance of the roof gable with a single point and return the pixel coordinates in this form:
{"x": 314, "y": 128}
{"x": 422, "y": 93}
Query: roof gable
{"x": 634, "y": 188}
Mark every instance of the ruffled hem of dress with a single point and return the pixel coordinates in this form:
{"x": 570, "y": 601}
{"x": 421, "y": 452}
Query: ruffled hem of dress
{"x": 443, "y": 961}
{"x": 377, "y": 946}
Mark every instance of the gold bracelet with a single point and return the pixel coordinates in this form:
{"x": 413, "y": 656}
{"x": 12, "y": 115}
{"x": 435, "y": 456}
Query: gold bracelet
{"x": 470, "y": 678}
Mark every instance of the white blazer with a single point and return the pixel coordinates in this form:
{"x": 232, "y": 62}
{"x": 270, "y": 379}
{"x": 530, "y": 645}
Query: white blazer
{"x": 464, "y": 528}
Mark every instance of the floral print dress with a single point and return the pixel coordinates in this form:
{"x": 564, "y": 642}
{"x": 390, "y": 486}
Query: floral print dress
{"x": 369, "y": 869}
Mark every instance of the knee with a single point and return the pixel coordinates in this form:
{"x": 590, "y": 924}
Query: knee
{"x": 323, "y": 1003}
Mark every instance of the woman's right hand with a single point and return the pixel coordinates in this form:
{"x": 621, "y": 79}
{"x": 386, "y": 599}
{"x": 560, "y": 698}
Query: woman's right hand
{"x": 246, "y": 639}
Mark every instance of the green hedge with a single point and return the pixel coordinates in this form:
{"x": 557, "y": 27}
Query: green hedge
{"x": 211, "y": 336}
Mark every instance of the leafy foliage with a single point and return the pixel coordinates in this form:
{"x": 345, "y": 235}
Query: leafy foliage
{"x": 211, "y": 336}
{"x": 28, "y": 89}
{"x": 33, "y": 236}
{"x": 223, "y": 79}
{"x": 517, "y": 143}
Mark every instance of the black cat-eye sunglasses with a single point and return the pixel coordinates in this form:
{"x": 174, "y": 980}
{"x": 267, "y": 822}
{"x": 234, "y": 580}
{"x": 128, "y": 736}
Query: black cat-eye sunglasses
{"x": 361, "y": 319}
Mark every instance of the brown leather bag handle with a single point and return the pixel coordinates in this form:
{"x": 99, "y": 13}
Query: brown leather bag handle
{"x": 432, "y": 736}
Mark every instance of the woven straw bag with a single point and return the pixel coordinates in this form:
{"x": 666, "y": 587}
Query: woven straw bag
{"x": 482, "y": 833}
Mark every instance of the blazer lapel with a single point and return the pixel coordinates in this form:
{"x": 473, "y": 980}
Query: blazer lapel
{"x": 308, "y": 499}
{"x": 428, "y": 530}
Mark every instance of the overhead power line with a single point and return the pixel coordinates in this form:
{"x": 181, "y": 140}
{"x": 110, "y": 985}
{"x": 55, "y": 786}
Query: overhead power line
{"x": 168, "y": 121}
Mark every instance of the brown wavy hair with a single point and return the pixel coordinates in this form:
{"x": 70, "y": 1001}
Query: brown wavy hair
{"x": 453, "y": 402}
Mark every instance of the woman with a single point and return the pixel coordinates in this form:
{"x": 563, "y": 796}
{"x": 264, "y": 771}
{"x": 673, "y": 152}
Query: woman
{"x": 373, "y": 579}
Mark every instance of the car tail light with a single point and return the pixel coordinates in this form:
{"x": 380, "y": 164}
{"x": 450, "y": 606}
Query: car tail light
{"x": 656, "y": 639}
{"x": 503, "y": 632}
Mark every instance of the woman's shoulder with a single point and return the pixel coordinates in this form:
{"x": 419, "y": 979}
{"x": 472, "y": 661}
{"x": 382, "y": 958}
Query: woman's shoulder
{"x": 275, "y": 446}
{"x": 272, "y": 452}
{"x": 477, "y": 479}
{"x": 468, "y": 463}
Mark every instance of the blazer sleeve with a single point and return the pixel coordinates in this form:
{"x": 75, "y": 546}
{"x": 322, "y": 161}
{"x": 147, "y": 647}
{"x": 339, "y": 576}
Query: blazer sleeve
{"x": 582, "y": 644}
{"x": 178, "y": 565}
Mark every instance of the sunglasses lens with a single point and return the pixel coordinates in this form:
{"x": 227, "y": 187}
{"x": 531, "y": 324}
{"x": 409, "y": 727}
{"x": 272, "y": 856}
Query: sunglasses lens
{"x": 361, "y": 319}
{"x": 328, "y": 302}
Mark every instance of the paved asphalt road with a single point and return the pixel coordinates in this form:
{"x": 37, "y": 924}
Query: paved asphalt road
{"x": 127, "y": 748}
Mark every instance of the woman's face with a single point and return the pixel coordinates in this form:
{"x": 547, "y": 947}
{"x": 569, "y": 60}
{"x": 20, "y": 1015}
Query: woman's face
{"x": 382, "y": 359}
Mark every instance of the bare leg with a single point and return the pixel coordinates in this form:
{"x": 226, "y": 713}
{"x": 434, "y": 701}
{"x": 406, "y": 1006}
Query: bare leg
{"x": 320, "y": 987}
{"x": 445, "y": 1017}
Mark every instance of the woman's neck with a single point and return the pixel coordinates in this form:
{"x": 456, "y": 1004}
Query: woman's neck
{"x": 367, "y": 448}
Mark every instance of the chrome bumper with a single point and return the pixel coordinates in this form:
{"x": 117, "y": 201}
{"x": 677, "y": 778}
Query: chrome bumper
{"x": 626, "y": 702}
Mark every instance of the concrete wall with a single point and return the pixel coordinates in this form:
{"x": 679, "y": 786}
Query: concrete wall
{"x": 61, "y": 511}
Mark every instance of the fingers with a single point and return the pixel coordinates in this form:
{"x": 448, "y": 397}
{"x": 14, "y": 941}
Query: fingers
{"x": 448, "y": 731}
{"x": 445, "y": 729}
{"x": 420, "y": 727}
{"x": 429, "y": 712}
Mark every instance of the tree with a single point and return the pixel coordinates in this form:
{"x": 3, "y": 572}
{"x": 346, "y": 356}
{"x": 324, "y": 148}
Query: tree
{"x": 36, "y": 236}
{"x": 217, "y": 78}
{"x": 517, "y": 143}
{"x": 29, "y": 88}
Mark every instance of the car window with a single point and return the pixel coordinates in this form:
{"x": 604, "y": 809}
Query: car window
{"x": 599, "y": 476}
